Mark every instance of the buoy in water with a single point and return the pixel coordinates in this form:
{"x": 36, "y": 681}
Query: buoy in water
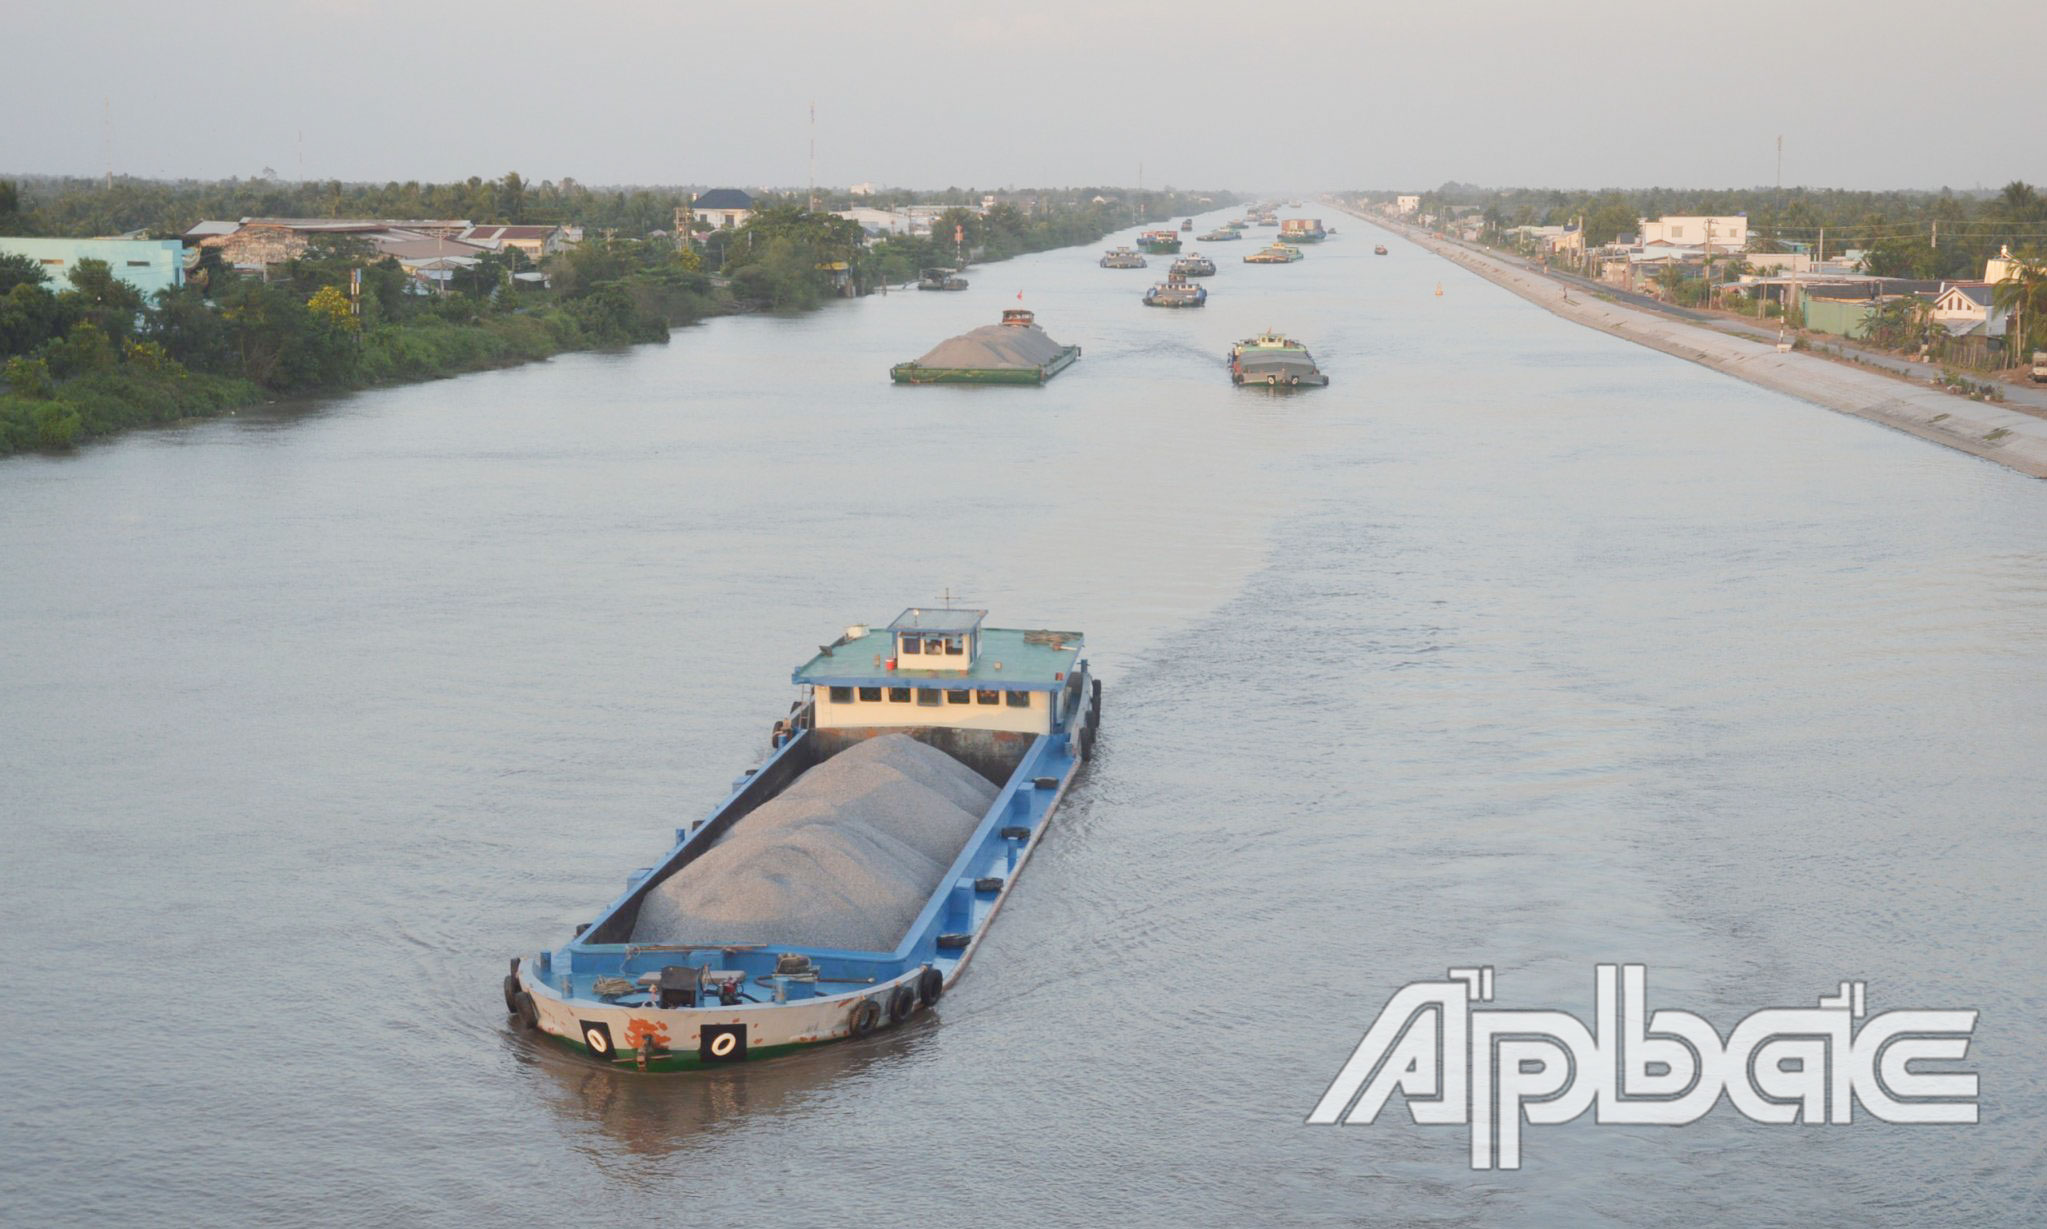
{"x": 1439, "y": 290}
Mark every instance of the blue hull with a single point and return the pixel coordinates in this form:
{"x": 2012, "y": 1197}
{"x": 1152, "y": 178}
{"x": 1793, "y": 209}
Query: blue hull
{"x": 560, "y": 986}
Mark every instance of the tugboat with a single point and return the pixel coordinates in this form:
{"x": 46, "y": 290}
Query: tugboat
{"x": 1159, "y": 242}
{"x": 1016, "y": 351}
{"x": 1221, "y": 234}
{"x": 1275, "y": 362}
{"x": 1176, "y": 291}
{"x": 1275, "y": 254}
{"x": 930, "y": 755}
{"x": 1122, "y": 258}
{"x": 1193, "y": 264}
{"x": 940, "y": 279}
{"x": 1378, "y": 249}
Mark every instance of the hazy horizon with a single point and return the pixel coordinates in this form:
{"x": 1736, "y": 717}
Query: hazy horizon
{"x": 1057, "y": 94}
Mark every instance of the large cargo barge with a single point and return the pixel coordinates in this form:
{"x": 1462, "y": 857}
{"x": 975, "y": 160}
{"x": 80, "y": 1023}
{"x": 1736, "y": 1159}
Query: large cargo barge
{"x": 1007, "y": 715}
{"x": 1016, "y": 351}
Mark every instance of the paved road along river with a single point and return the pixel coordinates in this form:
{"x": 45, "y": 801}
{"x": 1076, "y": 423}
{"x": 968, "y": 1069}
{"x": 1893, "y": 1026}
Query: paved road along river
{"x": 1519, "y": 645}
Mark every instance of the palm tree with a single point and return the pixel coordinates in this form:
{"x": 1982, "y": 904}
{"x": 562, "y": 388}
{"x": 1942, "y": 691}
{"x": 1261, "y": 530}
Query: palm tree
{"x": 2024, "y": 293}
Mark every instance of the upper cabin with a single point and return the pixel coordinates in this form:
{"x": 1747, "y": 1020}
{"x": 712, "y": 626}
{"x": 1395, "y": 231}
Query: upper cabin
{"x": 941, "y": 668}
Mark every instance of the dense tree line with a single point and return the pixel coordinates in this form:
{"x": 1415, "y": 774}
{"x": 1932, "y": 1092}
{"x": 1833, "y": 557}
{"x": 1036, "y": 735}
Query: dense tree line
{"x": 91, "y": 357}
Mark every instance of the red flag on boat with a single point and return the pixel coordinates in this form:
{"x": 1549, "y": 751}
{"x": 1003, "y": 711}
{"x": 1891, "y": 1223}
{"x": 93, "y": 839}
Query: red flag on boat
{"x": 1019, "y": 296}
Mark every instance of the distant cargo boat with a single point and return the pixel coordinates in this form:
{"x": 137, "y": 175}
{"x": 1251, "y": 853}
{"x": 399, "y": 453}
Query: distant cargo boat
{"x": 1122, "y": 258}
{"x": 1159, "y": 242}
{"x": 1275, "y": 361}
{"x": 925, "y": 761}
{"x": 1302, "y": 230}
{"x": 1016, "y": 351}
{"x": 1186, "y": 223}
{"x": 1221, "y": 234}
{"x": 1275, "y": 254}
{"x": 1176, "y": 291}
{"x": 1268, "y": 340}
{"x": 1193, "y": 264}
{"x": 940, "y": 279}
{"x": 1237, "y": 224}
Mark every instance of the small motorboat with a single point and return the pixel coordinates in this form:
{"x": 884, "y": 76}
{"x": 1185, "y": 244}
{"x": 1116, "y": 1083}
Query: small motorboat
{"x": 1378, "y": 249}
{"x": 940, "y": 279}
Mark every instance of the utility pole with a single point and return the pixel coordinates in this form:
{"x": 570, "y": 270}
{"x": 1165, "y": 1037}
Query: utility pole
{"x": 108, "y": 127}
{"x": 1778, "y": 218}
{"x": 813, "y": 155}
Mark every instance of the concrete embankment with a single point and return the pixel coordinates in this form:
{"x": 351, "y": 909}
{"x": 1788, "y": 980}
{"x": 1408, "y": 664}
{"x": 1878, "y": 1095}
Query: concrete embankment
{"x": 2008, "y": 437}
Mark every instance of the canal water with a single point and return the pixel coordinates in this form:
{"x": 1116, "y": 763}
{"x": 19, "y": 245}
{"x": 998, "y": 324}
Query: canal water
{"x": 1517, "y": 646}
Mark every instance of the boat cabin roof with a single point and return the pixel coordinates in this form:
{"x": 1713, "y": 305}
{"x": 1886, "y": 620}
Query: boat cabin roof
{"x": 1009, "y": 659}
{"x": 917, "y": 618}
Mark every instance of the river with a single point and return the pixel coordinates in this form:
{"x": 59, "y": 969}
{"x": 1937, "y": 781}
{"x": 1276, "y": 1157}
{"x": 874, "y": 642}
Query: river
{"x": 1518, "y": 646}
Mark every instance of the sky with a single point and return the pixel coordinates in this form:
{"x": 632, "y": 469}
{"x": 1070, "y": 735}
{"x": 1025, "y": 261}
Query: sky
{"x": 1299, "y": 95}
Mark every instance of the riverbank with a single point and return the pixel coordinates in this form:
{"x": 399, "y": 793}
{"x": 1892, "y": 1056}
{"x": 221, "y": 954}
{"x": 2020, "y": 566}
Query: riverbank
{"x": 2009, "y": 437}
{"x": 93, "y": 366}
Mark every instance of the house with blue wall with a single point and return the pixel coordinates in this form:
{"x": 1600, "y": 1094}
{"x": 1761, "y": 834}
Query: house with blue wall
{"x": 149, "y": 265}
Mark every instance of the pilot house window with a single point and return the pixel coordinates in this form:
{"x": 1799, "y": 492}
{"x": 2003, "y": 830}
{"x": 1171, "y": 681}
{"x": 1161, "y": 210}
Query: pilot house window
{"x": 987, "y": 697}
{"x": 898, "y": 695}
{"x": 870, "y": 695}
{"x": 960, "y": 697}
{"x": 955, "y": 647}
{"x": 842, "y": 695}
{"x": 930, "y": 695}
{"x": 912, "y": 644}
{"x": 1019, "y": 699}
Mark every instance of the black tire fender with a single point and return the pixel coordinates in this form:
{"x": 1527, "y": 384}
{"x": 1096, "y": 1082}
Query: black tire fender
{"x": 861, "y": 1020}
{"x": 528, "y": 1014}
{"x": 1095, "y": 691}
{"x": 930, "y": 986}
{"x": 901, "y": 1002}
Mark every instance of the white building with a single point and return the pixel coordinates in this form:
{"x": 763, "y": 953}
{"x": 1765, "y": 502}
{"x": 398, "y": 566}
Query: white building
{"x": 724, "y": 208}
{"x": 2002, "y": 267}
{"x": 1713, "y": 234}
{"x": 863, "y": 189}
{"x": 876, "y": 221}
{"x": 1969, "y": 307}
{"x": 1407, "y": 204}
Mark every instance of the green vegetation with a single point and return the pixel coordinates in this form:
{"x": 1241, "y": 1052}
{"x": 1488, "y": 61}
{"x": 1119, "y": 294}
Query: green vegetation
{"x": 91, "y": 357}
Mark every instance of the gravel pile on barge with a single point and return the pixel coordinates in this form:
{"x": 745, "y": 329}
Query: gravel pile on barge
{"x": 1016, "y": 351}
{"x": 844, "y": 857}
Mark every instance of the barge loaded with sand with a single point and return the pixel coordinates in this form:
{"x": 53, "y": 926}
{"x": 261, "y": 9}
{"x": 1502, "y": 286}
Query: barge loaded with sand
{"x": 1016, "y": 351}
{"x": 845, "y": 883}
